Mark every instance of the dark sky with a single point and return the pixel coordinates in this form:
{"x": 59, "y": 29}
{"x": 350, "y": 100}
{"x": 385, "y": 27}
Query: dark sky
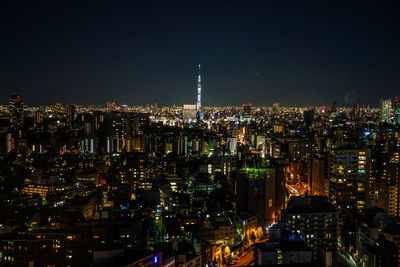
{"x": 137, "y": 52}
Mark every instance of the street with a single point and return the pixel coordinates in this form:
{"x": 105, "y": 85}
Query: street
{"x": 346, "y": 258}
{"x": 245, "y": 259}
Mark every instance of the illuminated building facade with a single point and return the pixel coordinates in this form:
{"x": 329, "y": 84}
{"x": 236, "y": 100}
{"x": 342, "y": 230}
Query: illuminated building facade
{"x": 89, "y": 145}
{"x": 355, "y": 112}
{"x": 301, "y": 149}
{"x": 38, "y": 117}
{"x": 315, "y": 219}
{"x": 198, "y": 105}
{"x": 396, "y": 110}
{"x": 10, "y": 142}
{"x": 136, "y": 128}
{"x": 71, "y": 112}
{"x": 41, "y": 190}
{"x": 350, "y": 178}
{"x": 218, "y": 229}
{"x": 389, "y": 188}
{"x": 189, "y": 112}
{"x": 16, "y": 107}
{"x": 386, "y": 111}
{"x": 319, "y": 179}
{"x": 136, "y": 172}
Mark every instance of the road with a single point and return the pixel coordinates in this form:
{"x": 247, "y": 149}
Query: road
{"x": 293, "y": 190}
{"x": 246, "y": 259}
{"x": 346, "y": 258}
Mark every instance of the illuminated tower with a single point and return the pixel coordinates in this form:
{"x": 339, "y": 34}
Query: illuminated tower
{"x": 199, "y": 91}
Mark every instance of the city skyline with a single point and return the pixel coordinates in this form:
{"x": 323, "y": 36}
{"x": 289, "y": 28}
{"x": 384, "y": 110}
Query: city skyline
{"x": 223, "y": 186}
{"x": 293, "y": 53}
{"x": 200, "y": 133}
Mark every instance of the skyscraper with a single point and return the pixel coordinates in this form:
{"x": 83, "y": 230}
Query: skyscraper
{"x": 386, "y": 110}
{"x": 71, "y": 112}
{"x": 16, "y": 106}
{"x": 199, "y": 90}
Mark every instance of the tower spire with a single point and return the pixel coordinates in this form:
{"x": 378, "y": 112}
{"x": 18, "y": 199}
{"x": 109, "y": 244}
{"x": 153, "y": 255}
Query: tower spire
{"x": 198, "y": 90}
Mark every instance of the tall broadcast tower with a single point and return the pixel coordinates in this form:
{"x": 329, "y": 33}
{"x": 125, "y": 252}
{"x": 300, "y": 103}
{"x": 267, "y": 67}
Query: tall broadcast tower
{"x": 199, "y": 91}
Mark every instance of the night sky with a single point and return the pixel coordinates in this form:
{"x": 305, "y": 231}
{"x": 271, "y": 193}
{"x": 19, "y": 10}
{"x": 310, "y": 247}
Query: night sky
{"x": 137, "y": 52}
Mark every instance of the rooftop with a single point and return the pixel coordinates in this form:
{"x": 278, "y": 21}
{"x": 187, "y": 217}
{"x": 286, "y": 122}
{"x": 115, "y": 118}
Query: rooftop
{"x": 309, "y": 204}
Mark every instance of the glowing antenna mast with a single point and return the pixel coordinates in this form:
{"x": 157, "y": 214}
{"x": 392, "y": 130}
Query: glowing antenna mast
{"x": 199, "y": 90}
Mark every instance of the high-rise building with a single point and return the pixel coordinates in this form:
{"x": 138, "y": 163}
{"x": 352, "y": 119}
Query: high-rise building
{"x": 373, "y": 249}
{"x": 333, "y": 107}
{"x": 38, "y": 117}
{"x": 10, "y": 142}
{"x": 389, "y": 189}
{"x": 397, "y": 116}
{"x": 308, "y": 117}
{"x": 136, "y": 171}
{"x": 71, "y": 112}
{"x": 89, "y": 127}
{"x": 16, "y": 106}
{"x": 350, "y": 178}
{"x": 392, "y": 233}
{"x": 136, "y": 129}
{"x": 276, "y": 107}
{"x": 355, "y": 112}
{"x": 319, "y": 181}
{"x": 301, "y": 149}
{"x": 386, "y": 110}
{"x": 198, "y": 106}
{"x": 232, "y": 145}
{"x": 89, "y": 145}
{"x": 290, "y": 252}
{"x": 316, "y": 220}
{"x": 255, "y": 193}
{"x": 247, "y": 109}
{"x": 189, "y": 112}
{"x": 396, "y": 110}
